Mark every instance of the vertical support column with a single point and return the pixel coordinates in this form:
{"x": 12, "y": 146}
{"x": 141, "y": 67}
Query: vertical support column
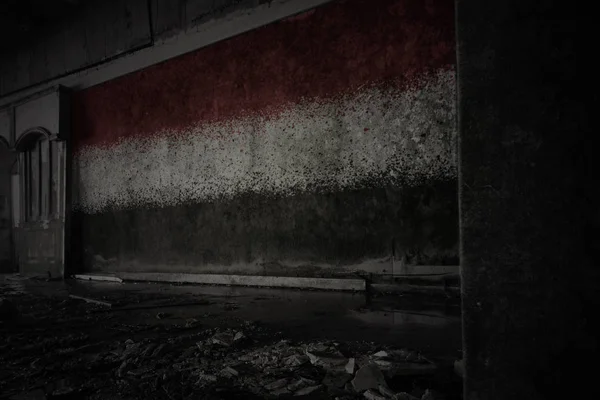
{"x": 528, "y": 218}
{"x": 66, "y": 181}
{"x": 14, "y": 190}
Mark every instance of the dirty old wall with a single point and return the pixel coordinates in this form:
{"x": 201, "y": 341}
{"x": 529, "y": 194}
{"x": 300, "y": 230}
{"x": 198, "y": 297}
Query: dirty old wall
{"x": 5, "y": 243}
{"x": 6, "y": 159}
{"x": 320, "y": 144}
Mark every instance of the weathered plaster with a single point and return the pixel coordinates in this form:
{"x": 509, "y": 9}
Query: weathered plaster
{"x": 377, "y": 136}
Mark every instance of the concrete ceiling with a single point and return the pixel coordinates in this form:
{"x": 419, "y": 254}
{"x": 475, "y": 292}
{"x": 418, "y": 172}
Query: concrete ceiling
{"x": 20, "y": 20}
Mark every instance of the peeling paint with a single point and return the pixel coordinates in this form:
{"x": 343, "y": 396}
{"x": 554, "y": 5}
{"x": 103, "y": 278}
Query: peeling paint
{"x": 375, "y": 136}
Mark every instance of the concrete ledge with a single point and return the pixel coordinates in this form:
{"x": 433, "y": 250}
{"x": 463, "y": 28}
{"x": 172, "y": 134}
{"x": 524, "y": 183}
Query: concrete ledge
{"x": 448, "y": 291}
{"x": 408, "y": 270}
{"x": 245, "y": 280}
{"x": 103, "y": 278}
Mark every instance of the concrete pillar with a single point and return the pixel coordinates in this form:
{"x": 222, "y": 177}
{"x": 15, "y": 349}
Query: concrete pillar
{"x": 528, "y": 209}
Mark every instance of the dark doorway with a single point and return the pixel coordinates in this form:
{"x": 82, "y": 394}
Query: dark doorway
{"x": 41, "y": 231}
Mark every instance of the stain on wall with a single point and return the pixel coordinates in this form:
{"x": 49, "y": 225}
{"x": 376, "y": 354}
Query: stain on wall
{"x": 324, "y": 139}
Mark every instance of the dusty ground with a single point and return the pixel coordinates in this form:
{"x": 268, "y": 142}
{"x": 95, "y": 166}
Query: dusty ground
{"x": 174, "y": 342}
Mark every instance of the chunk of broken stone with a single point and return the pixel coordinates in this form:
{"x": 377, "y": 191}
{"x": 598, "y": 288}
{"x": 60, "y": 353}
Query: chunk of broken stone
{"x": 123, "y": 368}
{"x": 295, "y": 360}
{"x": 229, "y": 372}
{"x": 350, "y": 366}
{"x": 223, "y": 339}
{"x": 329, "y": 359}
{"x": 386, "y": 391}
{"x": 226, "y": 338}
{"x": 404, "y": 396}
{"x": 160, "y": 351}
{"x": 368, "y": 377}
{"x": 280, "y": 391}
{"x": 191, "y": 322}
{"x": 204, "y": 377}
{"x": 336, "y": 379}
{"x": 428, "y": 395}
{"x": 300, "y": 384}
{"x": 307, "y": 390}
{"x": 374, "y": 395}
{"x": 381, "y": 354}
{"x": 278, "y": 384}
{"x": 148, "y": 350}
{"x": 140, "y": 371}
{"x": 131, "y": 349}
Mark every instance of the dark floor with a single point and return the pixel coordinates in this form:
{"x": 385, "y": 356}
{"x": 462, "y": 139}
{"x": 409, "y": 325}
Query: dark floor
{"x": 155, "y": 313}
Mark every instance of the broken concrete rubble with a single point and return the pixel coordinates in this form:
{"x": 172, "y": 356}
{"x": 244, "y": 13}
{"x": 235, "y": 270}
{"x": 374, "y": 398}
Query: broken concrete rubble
{"x": 350, "y": 366}
{"x": 307, "y": 390}
{"x": 227, "y": 338}
{"x": 296, "y": 360}
{"x": 118, "y": 357}
{"x": 368, "y": 377}
{"x": 278, "y": 384}
{"x": 229, "y": 372}
{"x": 336, "y": 379}
{"x": 383, "y": 389}
{"x": 404, "y": 396}
{"x": 300, "y": 384}
{"x": 401, "y": 363}
{"x": 374, "y": 395}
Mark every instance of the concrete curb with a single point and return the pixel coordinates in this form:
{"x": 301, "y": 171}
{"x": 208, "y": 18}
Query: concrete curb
{"x": 250, "y": 280}
{"x": 401, "y": 288}
{"x": 103, "y": 278}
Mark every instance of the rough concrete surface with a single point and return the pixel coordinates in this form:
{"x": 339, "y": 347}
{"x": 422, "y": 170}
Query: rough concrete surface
{"x": 6, "y": 160}
{"x": 200, "y": 161}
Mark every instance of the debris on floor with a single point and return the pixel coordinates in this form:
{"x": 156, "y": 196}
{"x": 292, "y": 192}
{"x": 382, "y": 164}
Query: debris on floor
{"x": 368, "y": 377}
{"x": 106, "y": 355}
{"x": 88, "y": 300}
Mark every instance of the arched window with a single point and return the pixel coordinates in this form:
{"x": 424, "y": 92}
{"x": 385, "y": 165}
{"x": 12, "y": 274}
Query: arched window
{"x": 37, "y": 153}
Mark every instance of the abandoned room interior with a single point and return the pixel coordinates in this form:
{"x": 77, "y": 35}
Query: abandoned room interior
{"x": 324, "y": 199}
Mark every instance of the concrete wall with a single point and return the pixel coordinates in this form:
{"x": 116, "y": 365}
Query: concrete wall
{"x": 6, "y": 159}
{"x": 320, "y": 144}
{"x": 5, "y": 228}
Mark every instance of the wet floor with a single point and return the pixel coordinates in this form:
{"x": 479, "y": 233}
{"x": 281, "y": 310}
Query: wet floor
{"x": 420, "y": 322}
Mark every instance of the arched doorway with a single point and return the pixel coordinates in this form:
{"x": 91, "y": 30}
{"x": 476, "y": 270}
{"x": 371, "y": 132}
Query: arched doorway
{"x": 41, "y": 221}
{"x": 7, "y": 160}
